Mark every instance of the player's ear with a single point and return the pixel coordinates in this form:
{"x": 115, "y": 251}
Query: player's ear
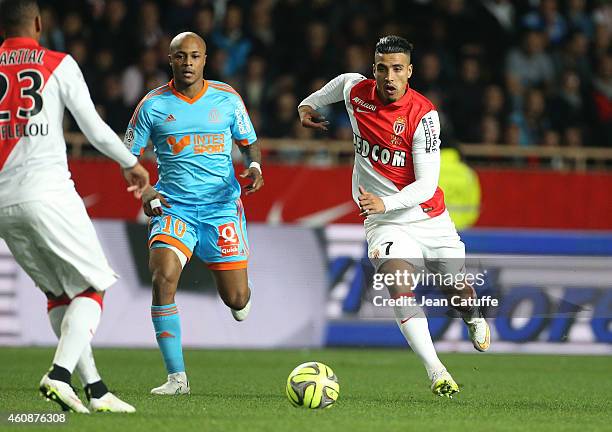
{"x": 409, "y": 70}
{"x": 38, "y": 24}
{"x": 374, "y": 69}
{"x": 170, "y": 59}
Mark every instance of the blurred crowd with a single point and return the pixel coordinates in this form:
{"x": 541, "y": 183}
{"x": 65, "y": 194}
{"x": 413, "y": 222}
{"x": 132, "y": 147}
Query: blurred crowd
{"x": 525, "y": 73}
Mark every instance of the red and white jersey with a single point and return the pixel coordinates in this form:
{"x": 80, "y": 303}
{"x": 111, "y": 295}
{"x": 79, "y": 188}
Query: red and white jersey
{"x": 36, "y": 84}
{"x": 391, "y": 141}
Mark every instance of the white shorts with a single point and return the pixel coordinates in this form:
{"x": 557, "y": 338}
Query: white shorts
{"x": 54, "y": 241}
{"x": 430, "y": 243}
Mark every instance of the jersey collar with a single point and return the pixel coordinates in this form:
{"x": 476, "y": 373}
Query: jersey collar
{"x": 403, "y": 101}
{"x": 185, "y": 98}
{"x": 18, "y": 42}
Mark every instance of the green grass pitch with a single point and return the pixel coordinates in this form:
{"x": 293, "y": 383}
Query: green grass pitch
{"x": 380, "y": 390}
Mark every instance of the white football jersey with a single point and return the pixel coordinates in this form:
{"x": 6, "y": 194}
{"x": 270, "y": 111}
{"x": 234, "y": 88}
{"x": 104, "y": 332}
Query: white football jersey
{"x": 36, "y": 84}
{"x": 397, "y": 153}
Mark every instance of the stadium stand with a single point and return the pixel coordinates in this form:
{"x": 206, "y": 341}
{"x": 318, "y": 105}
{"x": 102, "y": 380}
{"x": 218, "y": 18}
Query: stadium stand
{"x": 525, "y": 78}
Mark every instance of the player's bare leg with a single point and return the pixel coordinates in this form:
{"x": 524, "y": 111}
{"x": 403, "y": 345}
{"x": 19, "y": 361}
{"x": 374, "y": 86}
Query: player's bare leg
{"x": 166, "y": 268}
{"x": 166, "y": 265}
{"x": 100, "y": 399}
{"x": 412, "y": 322}
{"x": 233, "y": 287}
{"x": 478, "y": 329}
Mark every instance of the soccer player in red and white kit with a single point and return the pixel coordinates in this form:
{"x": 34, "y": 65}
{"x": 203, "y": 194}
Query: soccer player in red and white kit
{"x": 396, "y": 133}
{"x": 42, "y": 218}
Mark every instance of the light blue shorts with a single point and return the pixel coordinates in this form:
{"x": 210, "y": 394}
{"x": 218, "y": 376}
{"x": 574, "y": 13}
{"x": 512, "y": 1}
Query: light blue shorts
{"x": 215, "y": 232}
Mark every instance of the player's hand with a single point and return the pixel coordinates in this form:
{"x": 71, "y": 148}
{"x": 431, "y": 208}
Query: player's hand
{"x": 369, "y": 203}
{"x": 148, "y": 197}
{"x": 255, "y": 175}
{"x": 311, "y": 119}
{"x": 137, "y": 178}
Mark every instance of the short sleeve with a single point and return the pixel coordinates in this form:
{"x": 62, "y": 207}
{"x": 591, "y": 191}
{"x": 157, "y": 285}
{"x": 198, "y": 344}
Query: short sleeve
{"x": 242, "y": 128}
{"x": 139, "y": 129}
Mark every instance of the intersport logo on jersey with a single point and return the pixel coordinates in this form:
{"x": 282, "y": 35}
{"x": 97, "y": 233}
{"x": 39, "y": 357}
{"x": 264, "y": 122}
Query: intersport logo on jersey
{"x": 206, "y": 143}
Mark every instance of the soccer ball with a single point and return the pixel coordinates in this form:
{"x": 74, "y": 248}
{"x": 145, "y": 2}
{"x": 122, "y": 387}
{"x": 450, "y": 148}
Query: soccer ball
{"x": 312, "y": 385}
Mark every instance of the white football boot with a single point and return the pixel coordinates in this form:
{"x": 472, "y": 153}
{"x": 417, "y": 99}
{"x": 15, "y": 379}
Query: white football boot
{"x": 443, "y": 384}
{"x": 110, "y": 403}
{"x": 63, "y": 394}
{"x": 479, "y": 332}
{"x": 177, "y": 384}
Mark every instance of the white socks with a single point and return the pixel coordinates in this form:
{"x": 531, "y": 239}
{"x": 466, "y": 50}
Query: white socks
{"x": 78, "y": 325}
{"x": 240, "y": 315}
{"x": 86, "y": 366}
{"x": 413, "y": 324}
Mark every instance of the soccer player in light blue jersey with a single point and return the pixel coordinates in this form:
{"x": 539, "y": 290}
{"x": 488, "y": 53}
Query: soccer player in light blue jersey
{"x": 195, "y": 206}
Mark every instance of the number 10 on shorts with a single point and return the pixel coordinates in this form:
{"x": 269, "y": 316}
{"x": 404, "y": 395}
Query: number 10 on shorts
{"x": 178, "y": 226}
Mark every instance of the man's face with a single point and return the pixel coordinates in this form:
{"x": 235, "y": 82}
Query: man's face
{"x": 392, "y": 72}
{"x": 187, "y": 60}
{"x": 534, "y": 43}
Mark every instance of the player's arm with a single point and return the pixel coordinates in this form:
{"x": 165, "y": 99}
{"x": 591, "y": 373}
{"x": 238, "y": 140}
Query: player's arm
{"x": 136, "y": 139}
{"x": 246, "y": 139}
{"x": 152, "y": 202}
{"x": 426, "y": 162}
{"x": 330, "y": 93}
{"x": 75, "y": 95}
{"x": 252, "y": 159}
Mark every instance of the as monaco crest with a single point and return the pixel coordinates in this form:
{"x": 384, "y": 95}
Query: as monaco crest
{"x": 399, "y": 126}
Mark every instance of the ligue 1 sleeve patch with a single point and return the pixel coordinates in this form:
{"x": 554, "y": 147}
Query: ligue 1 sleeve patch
{"x": 128, "y": 139}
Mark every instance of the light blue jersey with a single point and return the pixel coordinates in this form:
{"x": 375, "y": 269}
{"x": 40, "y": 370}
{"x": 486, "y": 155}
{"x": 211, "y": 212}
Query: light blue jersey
{"x": 193, "y": 142}
{"x": 192, "y": 139}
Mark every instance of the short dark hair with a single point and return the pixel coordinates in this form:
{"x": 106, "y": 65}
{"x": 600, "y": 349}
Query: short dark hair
{"x": 16, "y": 13}
{"x": 392, "y": 44}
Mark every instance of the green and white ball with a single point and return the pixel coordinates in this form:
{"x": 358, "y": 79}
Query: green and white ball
{"x": 312, "y": 385}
